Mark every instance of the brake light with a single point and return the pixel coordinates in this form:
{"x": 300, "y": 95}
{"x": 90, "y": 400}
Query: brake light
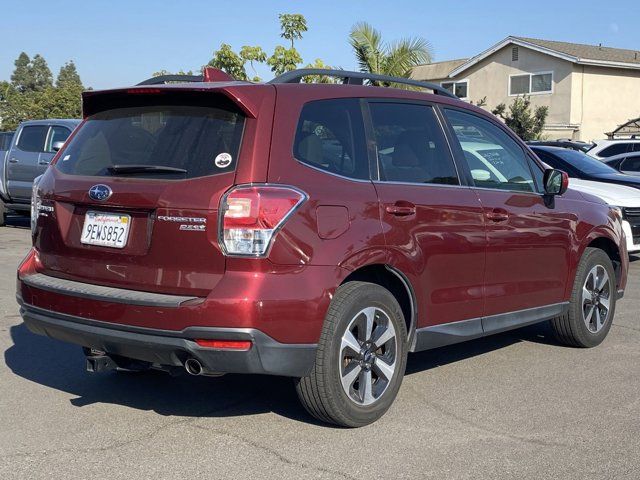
{"x": 144, "y": 91}
{"x": 252, "y": 215}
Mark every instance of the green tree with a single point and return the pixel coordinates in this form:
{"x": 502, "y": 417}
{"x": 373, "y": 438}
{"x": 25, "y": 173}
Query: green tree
{"x": 21, "y": 77}
{"x": 40, "y": 74}
{"x": 253, "y": 54}
{"x": 160, "y": 73}
{"x": 319, "y": 78}
{"x": 292, "y": 26}
{"x": 68, "y": 76}
{"x": 32, "y": 95}
{"x": 284, "y": 60}
{"x": 526, "y": 124}
{"x": 396, "y": 58}
{"x": 226, "y": 59}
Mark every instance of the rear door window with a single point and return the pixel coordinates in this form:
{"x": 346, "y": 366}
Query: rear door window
{"x": 330, "y": 136}
{"x": 615, "y": 149}
{"x": 631, "y": 165}
{"x": 410, "y": 145}
{"x": 155, "y": 141}
{"x": 32, "y": 138}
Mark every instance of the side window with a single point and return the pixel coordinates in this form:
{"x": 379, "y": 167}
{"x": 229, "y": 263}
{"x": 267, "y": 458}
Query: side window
{"x": 630, "y": 164}
{"x": 32, "y": 138}
{"x": 330, "y": 136}
{"x": 56, "y": 134}
{"x": 636, "y": 147}
{"x": 494, "y": 158}
{"x": 410, "y": 144}
{"x": 615, "y": 149}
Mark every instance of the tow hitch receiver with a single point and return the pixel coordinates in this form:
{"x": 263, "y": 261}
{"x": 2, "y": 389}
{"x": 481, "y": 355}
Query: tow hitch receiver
{"x": 100, "y": 363}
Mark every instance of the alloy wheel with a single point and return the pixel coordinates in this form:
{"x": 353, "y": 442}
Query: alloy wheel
{"x": 368, "y": 356}
{"x": 596, "y": 298}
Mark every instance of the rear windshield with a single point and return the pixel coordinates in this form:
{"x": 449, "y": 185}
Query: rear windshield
{"x": 155, "y": 141}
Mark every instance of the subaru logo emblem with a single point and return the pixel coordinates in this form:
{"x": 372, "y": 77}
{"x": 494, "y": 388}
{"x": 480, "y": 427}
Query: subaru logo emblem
{"x": 100, "y": 192}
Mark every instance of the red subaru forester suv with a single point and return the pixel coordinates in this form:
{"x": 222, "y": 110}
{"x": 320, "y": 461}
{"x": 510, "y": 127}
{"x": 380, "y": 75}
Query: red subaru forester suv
{"x": 317, "y": 231}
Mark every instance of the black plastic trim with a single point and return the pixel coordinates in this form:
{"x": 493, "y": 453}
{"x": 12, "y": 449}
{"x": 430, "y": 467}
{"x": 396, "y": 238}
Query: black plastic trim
{"x": 173, "y": 348}
{"x": 104, "y": 294}
{"x": 357, "y": 78}
{"x": 455, "y": 332}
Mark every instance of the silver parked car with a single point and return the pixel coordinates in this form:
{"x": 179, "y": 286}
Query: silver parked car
{"x": 32, "y": 148}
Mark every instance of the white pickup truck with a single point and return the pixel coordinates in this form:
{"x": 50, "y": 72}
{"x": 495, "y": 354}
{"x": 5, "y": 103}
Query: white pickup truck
{"x": 31, "y": 150}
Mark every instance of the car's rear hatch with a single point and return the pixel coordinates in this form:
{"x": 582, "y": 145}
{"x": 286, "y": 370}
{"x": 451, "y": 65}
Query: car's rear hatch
{"x": 132, "y": 200}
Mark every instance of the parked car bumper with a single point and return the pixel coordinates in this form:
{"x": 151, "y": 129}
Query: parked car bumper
{"x": 164, "y": 348}
{"x": 631, "y": 247}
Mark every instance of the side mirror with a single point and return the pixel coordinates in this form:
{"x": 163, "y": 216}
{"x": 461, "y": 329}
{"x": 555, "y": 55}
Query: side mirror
{"x": 556, "y": 182}
{"x": 57, "y": 146}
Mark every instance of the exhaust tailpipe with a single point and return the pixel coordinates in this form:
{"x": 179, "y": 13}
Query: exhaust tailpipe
{"x": 193, "y": 367}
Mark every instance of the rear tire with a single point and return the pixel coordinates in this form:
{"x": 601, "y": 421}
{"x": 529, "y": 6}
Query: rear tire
{"x": 361, "y": 357}
{"x": 592, "y": 304}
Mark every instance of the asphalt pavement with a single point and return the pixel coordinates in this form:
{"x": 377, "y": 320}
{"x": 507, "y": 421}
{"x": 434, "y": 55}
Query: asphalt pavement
{"x": 516, "y": 405}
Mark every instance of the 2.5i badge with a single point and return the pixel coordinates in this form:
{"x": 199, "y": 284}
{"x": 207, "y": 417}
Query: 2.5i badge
{"x": 223, "y": 160}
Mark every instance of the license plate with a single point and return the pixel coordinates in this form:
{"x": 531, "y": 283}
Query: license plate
{"x": 105, "y": 229}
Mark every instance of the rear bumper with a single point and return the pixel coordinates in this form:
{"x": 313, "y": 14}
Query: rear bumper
{"x": 173, "y": 348}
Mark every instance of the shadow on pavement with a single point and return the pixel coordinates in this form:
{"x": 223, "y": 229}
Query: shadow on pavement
{"x": 61, "y": 366}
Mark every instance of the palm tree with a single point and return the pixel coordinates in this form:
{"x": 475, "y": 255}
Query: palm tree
{"x": 396, "y": 59}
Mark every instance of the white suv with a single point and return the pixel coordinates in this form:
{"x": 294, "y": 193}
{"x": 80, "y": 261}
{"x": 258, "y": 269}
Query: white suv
{"x": 608, "y": 148}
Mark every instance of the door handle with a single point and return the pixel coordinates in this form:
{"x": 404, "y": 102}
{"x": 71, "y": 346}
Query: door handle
{"x": 13, "y": 160}
{"x": 43, "y": 162}
{"x": 401, "y": 209}
{"x": 498, "y": 215}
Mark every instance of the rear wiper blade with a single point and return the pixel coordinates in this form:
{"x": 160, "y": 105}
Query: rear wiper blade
{"x": 133, "y": 169}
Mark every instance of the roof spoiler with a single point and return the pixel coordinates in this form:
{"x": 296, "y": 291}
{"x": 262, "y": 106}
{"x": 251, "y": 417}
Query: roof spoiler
{"x": 357, "y": 78}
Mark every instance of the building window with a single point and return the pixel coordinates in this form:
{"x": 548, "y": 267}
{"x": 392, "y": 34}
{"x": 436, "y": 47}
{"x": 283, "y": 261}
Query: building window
{"x": 459, "y": 89}
{"x": 514, "y": 54}
{"x": 531, "y": 83}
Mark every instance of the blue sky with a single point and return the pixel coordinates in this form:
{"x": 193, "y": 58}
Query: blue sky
{"x": 119, "y": 42}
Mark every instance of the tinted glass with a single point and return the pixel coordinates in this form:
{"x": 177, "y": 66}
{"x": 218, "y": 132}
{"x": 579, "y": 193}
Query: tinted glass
{"x": 32, "y": 138}
{"x": 630, "y": 164}
{"x": 615, "y": 149}
{"x": 554, "y": 162}
{"x": 635, "y": 147}
{"x": 578, "y": 160}
{"x": 494, "y": 158}
{"x": 330, "y": 136}
{"x": 57, "y": 134}
{"x": 5, "y": 140}
{"x": 188, "y": 138}
{"x": 410, "y": 144}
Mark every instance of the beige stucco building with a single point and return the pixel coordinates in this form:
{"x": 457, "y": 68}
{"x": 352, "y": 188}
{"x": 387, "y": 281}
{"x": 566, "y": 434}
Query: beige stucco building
{"x": 589, "y": 90}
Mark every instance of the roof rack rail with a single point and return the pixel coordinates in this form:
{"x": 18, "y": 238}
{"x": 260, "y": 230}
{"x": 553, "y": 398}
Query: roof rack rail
{"x": 357, "y": 78}
{"x": 210, "y": 74}
{"x": 172, "y": 78}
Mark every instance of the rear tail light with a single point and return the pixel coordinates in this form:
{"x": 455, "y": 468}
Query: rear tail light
{"x": 251, "y": 216}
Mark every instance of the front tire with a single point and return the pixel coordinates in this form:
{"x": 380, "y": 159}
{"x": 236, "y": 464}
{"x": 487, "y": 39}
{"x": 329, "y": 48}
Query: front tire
{"x": 361, "y": 357}
{"x": 592, "y": 304}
